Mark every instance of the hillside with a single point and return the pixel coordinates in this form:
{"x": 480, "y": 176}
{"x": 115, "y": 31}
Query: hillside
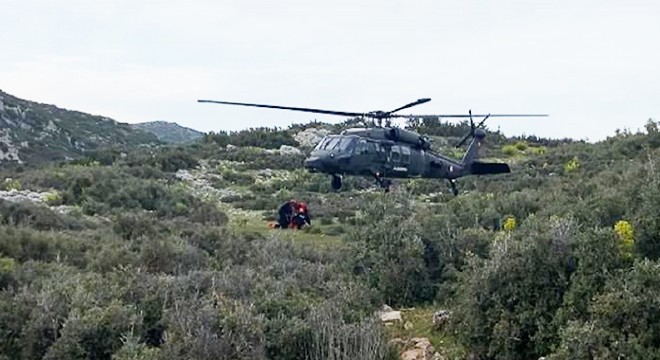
{"x": 170, "y": 132}
{"x": 34, "y": 133}
{"x": 168, "y": 255}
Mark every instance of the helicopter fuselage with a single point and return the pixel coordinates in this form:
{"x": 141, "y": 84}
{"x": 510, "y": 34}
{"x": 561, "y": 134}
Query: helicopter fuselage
{"x": 373, "y": 152}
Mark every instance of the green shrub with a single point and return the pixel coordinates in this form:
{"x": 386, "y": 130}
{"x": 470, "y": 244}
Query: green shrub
{"x": 11, "y": 184}
{"x": 131, "y": 226}
{"x": 572, "y": 165}
{"x": 389, "y": 253}
{"x": 521, "y": 145}
{"x": 509, "y": 150}
{"x": 171, "y": 161}
{"x": 35, "y": 216}
{"x": 524, "y": 279}
{"x": 537, "y": 150}
{"x": 7, "y": 267}
{"x": 622, "y": 320}
{"x": 269, "y": 138}
{"x": 334, "y": 230}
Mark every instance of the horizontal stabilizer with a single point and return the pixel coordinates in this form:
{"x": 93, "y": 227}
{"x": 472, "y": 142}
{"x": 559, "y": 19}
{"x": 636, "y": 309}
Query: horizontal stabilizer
{"x": 479, "y": 168}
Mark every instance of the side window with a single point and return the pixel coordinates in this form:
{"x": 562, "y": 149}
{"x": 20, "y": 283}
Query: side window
{"x": 381, "y": 151}
{"x": 405, "y": 155}
{"x": 346, "y": 144}
{"x": 361, "y": 147}
{"x": 396, "y": 154}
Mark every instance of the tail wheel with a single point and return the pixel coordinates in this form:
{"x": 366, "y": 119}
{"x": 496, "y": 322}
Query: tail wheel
{"x": 382, "y": 181}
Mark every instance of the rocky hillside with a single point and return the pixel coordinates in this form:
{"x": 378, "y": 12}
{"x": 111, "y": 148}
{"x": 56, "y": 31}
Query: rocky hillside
{"x": 169, "y": 131}
{"x": 31, "y": 132}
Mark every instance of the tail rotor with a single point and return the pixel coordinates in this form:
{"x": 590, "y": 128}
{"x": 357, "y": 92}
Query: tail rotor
{"x": 472, "y": 129}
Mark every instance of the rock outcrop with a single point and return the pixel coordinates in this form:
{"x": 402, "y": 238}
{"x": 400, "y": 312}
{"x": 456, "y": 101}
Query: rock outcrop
{"x": 418, "y": 349}
{"x": 308, "y": 138}
{"x": 389, "y": 315}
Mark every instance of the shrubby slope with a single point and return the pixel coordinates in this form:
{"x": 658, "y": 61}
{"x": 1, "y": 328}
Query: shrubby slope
{"x": 165, "y": 253}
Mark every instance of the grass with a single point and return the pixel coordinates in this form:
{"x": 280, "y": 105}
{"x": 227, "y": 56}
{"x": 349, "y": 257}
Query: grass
{"x": 418, "y": 323}
{"x": 253, "y": 222}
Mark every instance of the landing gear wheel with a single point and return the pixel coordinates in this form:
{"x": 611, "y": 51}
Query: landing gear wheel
{"x": 336, "y": 182}
{"x": 382, "y": 182}
{"x": 452, "y": 182}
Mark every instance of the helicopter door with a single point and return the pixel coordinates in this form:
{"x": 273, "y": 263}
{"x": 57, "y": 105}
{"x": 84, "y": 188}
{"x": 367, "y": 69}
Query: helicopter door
{"x": 395, "y": 155}
{"x": 380, "y": 151}
{"x": 400, "y": 157}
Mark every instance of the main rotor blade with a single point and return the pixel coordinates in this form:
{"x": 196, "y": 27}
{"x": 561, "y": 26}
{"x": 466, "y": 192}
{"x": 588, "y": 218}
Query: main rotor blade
{"x": 483, "y": 121}
{"x": 319, "y": 111}
{"x": 419, "y": 101}
{"x": 467, "y": 116}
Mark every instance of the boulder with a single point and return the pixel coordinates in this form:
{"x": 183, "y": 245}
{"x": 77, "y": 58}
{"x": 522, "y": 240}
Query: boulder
{"x": 438, "y": 356}
{"x": 308, "y": 138}
{"x": 386, "y": 314}
{"x": 289, "y": 150}
{"x": 14, "y": 195}
{"x": 421, "y": 350}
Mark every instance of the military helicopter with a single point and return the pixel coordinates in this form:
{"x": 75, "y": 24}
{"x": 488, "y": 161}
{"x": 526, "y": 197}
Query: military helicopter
{"x": 388, "y": 151}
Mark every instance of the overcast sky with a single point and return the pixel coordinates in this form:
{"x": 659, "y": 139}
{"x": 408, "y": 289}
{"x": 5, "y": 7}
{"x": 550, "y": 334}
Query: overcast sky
{"x": 593, "y": 66}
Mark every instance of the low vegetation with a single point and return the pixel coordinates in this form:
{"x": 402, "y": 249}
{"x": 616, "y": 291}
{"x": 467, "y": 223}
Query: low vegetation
{"x": 166, "y": 253}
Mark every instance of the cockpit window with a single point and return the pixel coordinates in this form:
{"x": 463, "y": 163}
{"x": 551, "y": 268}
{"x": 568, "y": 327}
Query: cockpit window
{"x": 327, "y": 143}
{"x": 321, "y": 144}
{"x": 338, "y": 143}
{"x": 331, "y": 144}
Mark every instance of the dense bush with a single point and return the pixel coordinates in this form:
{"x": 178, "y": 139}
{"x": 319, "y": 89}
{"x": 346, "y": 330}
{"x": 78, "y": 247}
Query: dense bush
{"x": 38, "y": 217}
{"x": 506, "y": 303}
{"x": 389, "y": 253}
{"x": 269, "y": 138}
{"x": 621, "y": 321}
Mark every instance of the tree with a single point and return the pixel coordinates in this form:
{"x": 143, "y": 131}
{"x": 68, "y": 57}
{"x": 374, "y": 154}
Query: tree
{"x": 389, "y": 252}
{"x": 505, "y": 304}
{"x": 623, "y": 322}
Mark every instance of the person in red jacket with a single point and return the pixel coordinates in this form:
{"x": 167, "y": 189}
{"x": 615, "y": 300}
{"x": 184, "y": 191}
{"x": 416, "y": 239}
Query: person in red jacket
{"x": 302, "y": 216}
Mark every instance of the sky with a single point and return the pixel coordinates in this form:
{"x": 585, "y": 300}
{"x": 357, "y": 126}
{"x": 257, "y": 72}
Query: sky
{"x": 592, "y": 66}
